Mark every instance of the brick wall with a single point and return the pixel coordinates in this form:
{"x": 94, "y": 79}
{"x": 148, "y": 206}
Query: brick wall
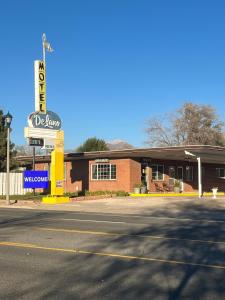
{"x": 209, "y": 179}
{"x": 78, "y": 176}
{"x": 122, "y": 181}
{"x": 77, "y": 173}
{"x": 163, "y": 185}
{"x": 135, "y": 174}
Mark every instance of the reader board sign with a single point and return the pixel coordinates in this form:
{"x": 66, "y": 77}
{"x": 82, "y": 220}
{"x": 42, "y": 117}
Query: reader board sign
{"x": 40, "y": 133}
{"x": 35, "y": 179}
{"x": 36, "y": 142}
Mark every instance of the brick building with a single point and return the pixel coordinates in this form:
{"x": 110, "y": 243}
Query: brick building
{"x": 158, "y": 168}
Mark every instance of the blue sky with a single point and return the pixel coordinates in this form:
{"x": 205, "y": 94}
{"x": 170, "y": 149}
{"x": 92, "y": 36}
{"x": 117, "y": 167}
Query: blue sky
{"x": 116, "y": 62}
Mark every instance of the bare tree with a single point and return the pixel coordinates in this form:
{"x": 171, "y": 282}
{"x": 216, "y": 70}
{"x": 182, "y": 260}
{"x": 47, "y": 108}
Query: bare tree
{"x": 23, "y": 150}
{"x": 192, "y": 124}
{"x": 159, "y": 134}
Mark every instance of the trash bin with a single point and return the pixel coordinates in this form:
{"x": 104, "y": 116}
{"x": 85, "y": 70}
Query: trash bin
{"x": 214, "y": 191}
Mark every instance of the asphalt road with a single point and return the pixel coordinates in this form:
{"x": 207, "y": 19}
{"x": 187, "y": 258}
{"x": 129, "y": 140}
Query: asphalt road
{"x": 75, "y": 255}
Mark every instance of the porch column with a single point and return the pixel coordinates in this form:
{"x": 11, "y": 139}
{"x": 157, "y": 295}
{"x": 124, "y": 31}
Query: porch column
{"x": 199, "y": 178}
{"x": 148, "y": 177}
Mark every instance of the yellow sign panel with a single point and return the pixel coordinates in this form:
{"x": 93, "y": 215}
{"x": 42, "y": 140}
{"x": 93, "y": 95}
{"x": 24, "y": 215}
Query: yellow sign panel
{"x": 40, "y": 86}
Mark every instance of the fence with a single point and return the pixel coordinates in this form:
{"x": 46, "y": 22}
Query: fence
{"x": 16, "y": 184}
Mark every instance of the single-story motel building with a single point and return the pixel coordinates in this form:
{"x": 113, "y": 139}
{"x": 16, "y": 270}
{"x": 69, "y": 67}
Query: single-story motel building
{"x": 158, "y": 168}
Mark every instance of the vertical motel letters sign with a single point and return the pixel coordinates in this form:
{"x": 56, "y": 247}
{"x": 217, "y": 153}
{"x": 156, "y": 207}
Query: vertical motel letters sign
{"x": 40, "y": 86}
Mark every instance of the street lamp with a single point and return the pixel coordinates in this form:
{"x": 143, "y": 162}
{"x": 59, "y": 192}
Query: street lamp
{"x": 199, "y": 172}
{"x": 8, "y": 120}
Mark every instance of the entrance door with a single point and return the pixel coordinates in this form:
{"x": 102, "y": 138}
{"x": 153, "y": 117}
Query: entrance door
{"x": 180, "y": 173}
{"x": 172, "y": 175}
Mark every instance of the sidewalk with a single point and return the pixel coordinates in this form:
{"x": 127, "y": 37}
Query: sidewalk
{"x": 126, "y": 205}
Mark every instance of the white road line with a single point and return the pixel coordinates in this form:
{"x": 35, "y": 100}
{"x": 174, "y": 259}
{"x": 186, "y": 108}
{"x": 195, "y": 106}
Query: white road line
{"x": 154, "y": 217}
{"x": 87, "y": 220}
{"x": 103, "y": 233}
{"x": 172, "y": 219}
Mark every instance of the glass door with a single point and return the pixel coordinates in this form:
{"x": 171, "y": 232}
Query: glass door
{"x": 172, "y": 175}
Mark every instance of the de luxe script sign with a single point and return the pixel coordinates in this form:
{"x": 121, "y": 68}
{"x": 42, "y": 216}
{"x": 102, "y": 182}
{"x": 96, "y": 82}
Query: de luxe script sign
{"x": 35, "y": 179}
{"x": 48, "y": 120}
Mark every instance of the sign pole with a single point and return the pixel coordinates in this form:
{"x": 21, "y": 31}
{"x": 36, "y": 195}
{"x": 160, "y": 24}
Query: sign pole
{"x": 43, "y": 46}
{"x": 7, "y": 167}
{"x": 34, "y": 166}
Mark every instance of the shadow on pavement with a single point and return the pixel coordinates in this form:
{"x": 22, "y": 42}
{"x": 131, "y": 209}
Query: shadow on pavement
{"x": 195, "y": 242}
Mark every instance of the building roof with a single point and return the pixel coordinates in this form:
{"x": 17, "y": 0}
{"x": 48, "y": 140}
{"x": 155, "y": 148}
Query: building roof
{"x": 208, "y": 154}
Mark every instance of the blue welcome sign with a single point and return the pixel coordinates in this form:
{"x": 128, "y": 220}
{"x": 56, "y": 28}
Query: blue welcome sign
{"x": 35, "y": 179}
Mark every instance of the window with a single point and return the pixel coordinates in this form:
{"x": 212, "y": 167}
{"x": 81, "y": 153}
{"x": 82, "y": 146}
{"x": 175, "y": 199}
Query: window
{"x": 189, "y": 173}
{"x": 157, "y": 172}
{"x": 103, "y": 172}
{"x": 220, "y": 172}
{"x": 203, "y": 171}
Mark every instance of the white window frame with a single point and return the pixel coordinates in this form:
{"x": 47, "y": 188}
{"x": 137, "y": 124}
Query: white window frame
{"x": 110, "y": 172}
{"x": 218, "y": 172}
{"x": 157, "y": 172}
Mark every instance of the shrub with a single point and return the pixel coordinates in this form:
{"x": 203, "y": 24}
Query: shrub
{"x": 98, "y": 193}
{"x": 74, "y": 194}
{"x": 106, "y": 193}
{"x": 29, "y": 196}
{"x": 122, "y": 194}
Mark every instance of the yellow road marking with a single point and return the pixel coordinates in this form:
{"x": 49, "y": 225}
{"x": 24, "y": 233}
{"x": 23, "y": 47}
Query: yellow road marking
{"x": 116, "y": 255}
{"x": 102, "y": 233}
{"x": 148, "y": 218}
{"x": 80, "y": 231}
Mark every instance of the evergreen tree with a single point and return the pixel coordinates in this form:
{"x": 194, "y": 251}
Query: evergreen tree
{"x": 92, "y": 144}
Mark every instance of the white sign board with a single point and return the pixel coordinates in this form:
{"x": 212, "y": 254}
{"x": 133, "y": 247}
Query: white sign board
{"x": 49, "y": 144}
{"x": 40, "y": 133}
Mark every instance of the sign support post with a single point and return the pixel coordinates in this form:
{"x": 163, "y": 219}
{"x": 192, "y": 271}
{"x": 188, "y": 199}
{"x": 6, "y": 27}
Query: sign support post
{"x": 57, "y": 172}
{"x": 34, "y": 166}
